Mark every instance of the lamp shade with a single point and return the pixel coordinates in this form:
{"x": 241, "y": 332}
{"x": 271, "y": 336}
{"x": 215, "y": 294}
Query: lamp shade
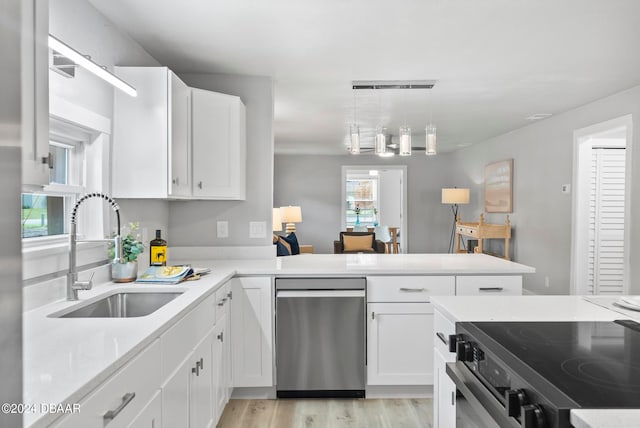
{"x": 276, "y": 220}
{"x": 291, "y": 214}
{"x": 455, "y": 196}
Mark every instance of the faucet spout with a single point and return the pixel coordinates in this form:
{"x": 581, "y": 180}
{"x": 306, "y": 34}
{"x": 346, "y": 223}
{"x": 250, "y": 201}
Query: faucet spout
{"x": 73, "y": 285}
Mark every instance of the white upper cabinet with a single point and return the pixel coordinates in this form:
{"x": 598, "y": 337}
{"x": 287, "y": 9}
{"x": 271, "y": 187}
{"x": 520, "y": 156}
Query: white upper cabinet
{"x": 35, "y": 94}
{"x": 151, "y": 147}
{"x": 219, "y": 146}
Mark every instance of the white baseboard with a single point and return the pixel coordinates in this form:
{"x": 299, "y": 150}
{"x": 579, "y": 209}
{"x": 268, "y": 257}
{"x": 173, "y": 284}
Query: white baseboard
{"x": 222, "y": 253}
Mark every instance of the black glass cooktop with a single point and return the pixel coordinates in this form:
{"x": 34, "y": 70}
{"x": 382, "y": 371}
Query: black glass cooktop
{"x": 596, "y": 364}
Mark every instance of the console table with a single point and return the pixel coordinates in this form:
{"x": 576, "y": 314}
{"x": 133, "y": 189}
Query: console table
{"x": 481, "y": 231}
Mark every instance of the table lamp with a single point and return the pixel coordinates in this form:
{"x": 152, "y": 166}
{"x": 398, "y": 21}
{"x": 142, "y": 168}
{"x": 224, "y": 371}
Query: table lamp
{"x": 291, "y": 215}
{"x": 454, "y": 197}
{"x": 276, "y": 220}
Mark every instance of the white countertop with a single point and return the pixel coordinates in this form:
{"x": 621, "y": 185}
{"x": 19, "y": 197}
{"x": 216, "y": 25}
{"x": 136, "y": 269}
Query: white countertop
{"x": 368, "y": 264}
{"x": 522, "y": 308}
{"x": 545, "y": 308}
{"x": 66, "y": 358}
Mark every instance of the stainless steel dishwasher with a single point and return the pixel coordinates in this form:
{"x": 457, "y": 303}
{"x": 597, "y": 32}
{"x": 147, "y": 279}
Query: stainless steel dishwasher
{"x": 320, "y": 337}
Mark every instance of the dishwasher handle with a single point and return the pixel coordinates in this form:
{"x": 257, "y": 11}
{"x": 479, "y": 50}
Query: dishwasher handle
{"x": 284, "y": 294}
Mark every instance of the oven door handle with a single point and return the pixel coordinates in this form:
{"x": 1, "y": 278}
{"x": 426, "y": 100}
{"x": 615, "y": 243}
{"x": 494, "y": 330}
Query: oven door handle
{"x": 284, "y": 294}
{"x": 478, "y": 396}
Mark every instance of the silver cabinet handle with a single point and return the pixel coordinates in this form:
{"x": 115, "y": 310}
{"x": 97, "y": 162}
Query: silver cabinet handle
{"x": 200, "y": 363}
{"x": 442, "y": 338}
{"x": 413, "y": 290}
{"x": 221, "y": 302}
{"x": 111, "y": 414}
{"x": 373, "y": 315}
{"x": 199, "y": 184}
{"x": 221, "y": 337}
{"x": 491, "y": 288}
{"x": 176, "y": 181}
{"x": 230, "y": 295}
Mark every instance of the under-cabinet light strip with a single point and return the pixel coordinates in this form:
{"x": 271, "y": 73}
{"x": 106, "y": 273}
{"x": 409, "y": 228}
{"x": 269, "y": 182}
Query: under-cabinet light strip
{"x": 91, "y": 66}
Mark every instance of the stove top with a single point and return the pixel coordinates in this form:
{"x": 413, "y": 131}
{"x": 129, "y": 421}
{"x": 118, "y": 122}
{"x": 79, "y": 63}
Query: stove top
{"x": 594, "y": 364}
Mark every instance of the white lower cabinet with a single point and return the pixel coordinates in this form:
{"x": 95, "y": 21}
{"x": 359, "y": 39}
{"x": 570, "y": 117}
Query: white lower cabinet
{"x": 252, "y": 331}
{"x": 444, "y": 396}
{"x": 118, "y": 401}
{"x": 399, "y": 326}
{"x": 399, "y": 352}
{"x": 151, "y": 415}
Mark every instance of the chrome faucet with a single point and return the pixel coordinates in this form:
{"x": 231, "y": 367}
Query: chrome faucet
{"x": 73, "y": 285}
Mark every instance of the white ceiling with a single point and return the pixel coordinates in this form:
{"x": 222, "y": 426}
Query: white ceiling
{"x": 496, "y": 61}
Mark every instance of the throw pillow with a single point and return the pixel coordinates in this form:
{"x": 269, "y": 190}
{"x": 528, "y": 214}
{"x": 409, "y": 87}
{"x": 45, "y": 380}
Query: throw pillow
{"x": 293, "y": 242}
{"x": 357, "y": 242}
{"x": 282, "y": 247}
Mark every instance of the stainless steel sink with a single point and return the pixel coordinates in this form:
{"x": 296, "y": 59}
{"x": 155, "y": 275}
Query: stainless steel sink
{"x": 123, "y": 305}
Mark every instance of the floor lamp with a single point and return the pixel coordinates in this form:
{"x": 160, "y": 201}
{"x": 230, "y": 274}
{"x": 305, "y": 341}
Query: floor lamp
{"x": 454, "y": 197}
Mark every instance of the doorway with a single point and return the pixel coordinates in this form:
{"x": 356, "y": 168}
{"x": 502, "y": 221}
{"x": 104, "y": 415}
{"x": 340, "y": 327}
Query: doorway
{"x": 375, "y": 195}
{"x": 601, "y": 182}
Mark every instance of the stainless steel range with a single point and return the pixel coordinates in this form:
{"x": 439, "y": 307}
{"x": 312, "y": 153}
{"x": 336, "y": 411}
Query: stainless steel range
{"x": 531, "y": 374}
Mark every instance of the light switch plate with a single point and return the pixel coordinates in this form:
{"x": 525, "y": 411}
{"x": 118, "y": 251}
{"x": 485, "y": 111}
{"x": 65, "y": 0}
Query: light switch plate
{"x": 257, "y": 229}
{"x": 222, "y": 229}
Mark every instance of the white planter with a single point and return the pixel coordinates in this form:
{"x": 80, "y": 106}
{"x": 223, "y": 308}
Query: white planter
{"x": 124, "y": 272}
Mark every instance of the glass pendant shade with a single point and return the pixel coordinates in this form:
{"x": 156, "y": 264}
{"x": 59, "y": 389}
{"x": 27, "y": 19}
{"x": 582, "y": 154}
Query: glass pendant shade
{"x": 381, "y": 140}
{"x": 405, "y": 141}
{"x": 431, "y": 142}
{"x": 354, "y": 147}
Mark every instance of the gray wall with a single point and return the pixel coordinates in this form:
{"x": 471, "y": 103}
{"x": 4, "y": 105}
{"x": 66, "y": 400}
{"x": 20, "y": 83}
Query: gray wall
{"x": 193, "y": 223}
{"x": 543, "y": 161}
{"x": 10, "y": 177}
{"x": 314, "y": 183}
{"x": 541, "y": 218}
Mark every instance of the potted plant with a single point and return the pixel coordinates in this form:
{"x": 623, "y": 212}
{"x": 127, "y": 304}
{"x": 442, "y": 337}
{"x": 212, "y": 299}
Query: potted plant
{"x": 126, "y": 270}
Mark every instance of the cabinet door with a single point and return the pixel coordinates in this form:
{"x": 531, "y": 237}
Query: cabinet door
{"x": 151, "y": 415}
{"x": 201, "y": 391}
{"x": 219, "y": 145}
{"x": 252, "y": 331}
{"x": 35, "y": 94}
{"x": 444, "y": 395}
{"x": 220, "y": 364}
{"x": 141, "y": 134}
{"x": 180, "y": 132}
{"x": 175, "y": 395}
{"x": 400, "y": 344}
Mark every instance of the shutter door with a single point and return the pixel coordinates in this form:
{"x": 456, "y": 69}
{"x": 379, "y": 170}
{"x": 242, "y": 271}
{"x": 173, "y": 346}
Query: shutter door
{"x": 606, "y": 221}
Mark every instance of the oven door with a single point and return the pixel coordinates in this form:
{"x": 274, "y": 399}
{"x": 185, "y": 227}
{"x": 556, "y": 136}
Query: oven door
{"x": 476, "y": 407}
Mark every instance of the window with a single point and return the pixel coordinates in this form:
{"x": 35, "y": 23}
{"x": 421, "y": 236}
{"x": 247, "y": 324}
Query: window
{"x": 362, "y": 200}
{"x": 45, "y": 213}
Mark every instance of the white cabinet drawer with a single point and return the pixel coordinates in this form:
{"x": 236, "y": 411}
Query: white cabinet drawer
{"x": 442, "y": 330}
{"x": 124, "y": 395}
{"x": 223, "y": 300}
{"x": 185, "y": 335}
{"x": 489, "y": 285}
{"x": 408, "y": 288}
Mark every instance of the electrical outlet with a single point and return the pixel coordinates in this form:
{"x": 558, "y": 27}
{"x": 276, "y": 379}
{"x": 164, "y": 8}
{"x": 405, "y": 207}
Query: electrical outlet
{"x": 566, "y": 188}
{"x": 257, "y": 229}
{"x": 222, "y": 229}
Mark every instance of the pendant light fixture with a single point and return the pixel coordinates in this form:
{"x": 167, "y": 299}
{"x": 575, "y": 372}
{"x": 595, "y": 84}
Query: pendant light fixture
{"x": 405, "y": 141}
{"x": 430, "y": 134}
{"x": 354, "y": 131}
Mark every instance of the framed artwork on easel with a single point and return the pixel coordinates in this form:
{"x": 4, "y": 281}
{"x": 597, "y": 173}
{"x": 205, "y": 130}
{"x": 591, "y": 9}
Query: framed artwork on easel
{"x": 498, "y": 187}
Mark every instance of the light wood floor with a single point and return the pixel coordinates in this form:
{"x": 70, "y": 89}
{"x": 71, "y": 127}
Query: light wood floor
{"x": 338, "y": 413}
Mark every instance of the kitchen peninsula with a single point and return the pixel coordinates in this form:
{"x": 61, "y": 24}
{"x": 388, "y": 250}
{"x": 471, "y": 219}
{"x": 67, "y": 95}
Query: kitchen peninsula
{"x": 83, "y": 360}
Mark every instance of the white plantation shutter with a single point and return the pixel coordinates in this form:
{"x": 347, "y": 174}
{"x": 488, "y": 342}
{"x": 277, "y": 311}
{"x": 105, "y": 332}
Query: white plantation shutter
{"x": 606, "y": 222}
